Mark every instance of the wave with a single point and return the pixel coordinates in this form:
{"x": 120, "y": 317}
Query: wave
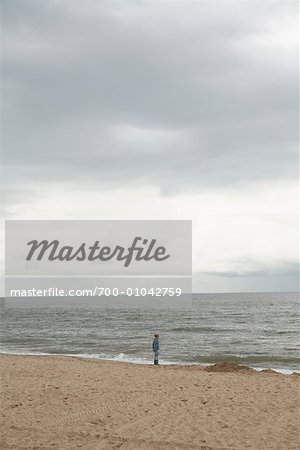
{"x": 249, "y": 359}
{"x": 196, "y": 360}
{"x": 121, "y": 357}
{"x": 200, "y": 329}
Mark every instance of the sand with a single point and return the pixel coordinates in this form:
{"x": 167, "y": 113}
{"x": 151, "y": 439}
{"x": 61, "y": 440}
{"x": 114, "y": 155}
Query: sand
{"x": 56, "y": 402}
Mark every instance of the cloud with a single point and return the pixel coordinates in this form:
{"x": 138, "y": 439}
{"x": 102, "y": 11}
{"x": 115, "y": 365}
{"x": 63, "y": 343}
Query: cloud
{"x": 162, "y": 101}
{"x": 234, "y": 233}
{"x": 222, "y": 80}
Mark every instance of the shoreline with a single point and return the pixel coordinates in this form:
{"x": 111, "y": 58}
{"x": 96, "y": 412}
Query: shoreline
{"x": 72, "y": 402}
{"x": 145, "y": 362}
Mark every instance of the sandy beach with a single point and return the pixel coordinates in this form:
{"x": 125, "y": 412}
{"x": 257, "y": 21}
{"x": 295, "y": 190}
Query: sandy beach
{"x": 57, "y": 402}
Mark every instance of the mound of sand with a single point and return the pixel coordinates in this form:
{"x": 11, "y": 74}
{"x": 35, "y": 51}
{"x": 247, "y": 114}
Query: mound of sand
{"x": 228, "y": 367}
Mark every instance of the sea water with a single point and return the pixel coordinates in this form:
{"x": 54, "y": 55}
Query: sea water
{"x": 260, "y": 330}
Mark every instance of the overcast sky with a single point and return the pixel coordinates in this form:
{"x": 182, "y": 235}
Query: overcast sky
{"x": 160, "y": 110}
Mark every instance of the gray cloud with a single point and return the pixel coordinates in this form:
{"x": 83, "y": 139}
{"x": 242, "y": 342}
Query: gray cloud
{"x": 186, "y": 97}
{"x": 218, "y": 78}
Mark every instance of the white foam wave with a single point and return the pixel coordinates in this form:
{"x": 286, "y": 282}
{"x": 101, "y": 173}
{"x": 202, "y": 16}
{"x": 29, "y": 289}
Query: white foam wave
{"x": 122, "y": 357}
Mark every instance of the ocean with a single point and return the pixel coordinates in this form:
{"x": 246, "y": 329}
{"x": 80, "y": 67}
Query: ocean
{"x": 260, "y": 330}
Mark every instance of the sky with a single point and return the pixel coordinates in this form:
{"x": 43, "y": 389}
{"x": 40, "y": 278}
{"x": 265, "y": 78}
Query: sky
{"x": 159, "y": 110}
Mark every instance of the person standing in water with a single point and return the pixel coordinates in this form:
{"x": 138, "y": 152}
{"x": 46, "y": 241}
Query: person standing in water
{"x": 155, "y": 348}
